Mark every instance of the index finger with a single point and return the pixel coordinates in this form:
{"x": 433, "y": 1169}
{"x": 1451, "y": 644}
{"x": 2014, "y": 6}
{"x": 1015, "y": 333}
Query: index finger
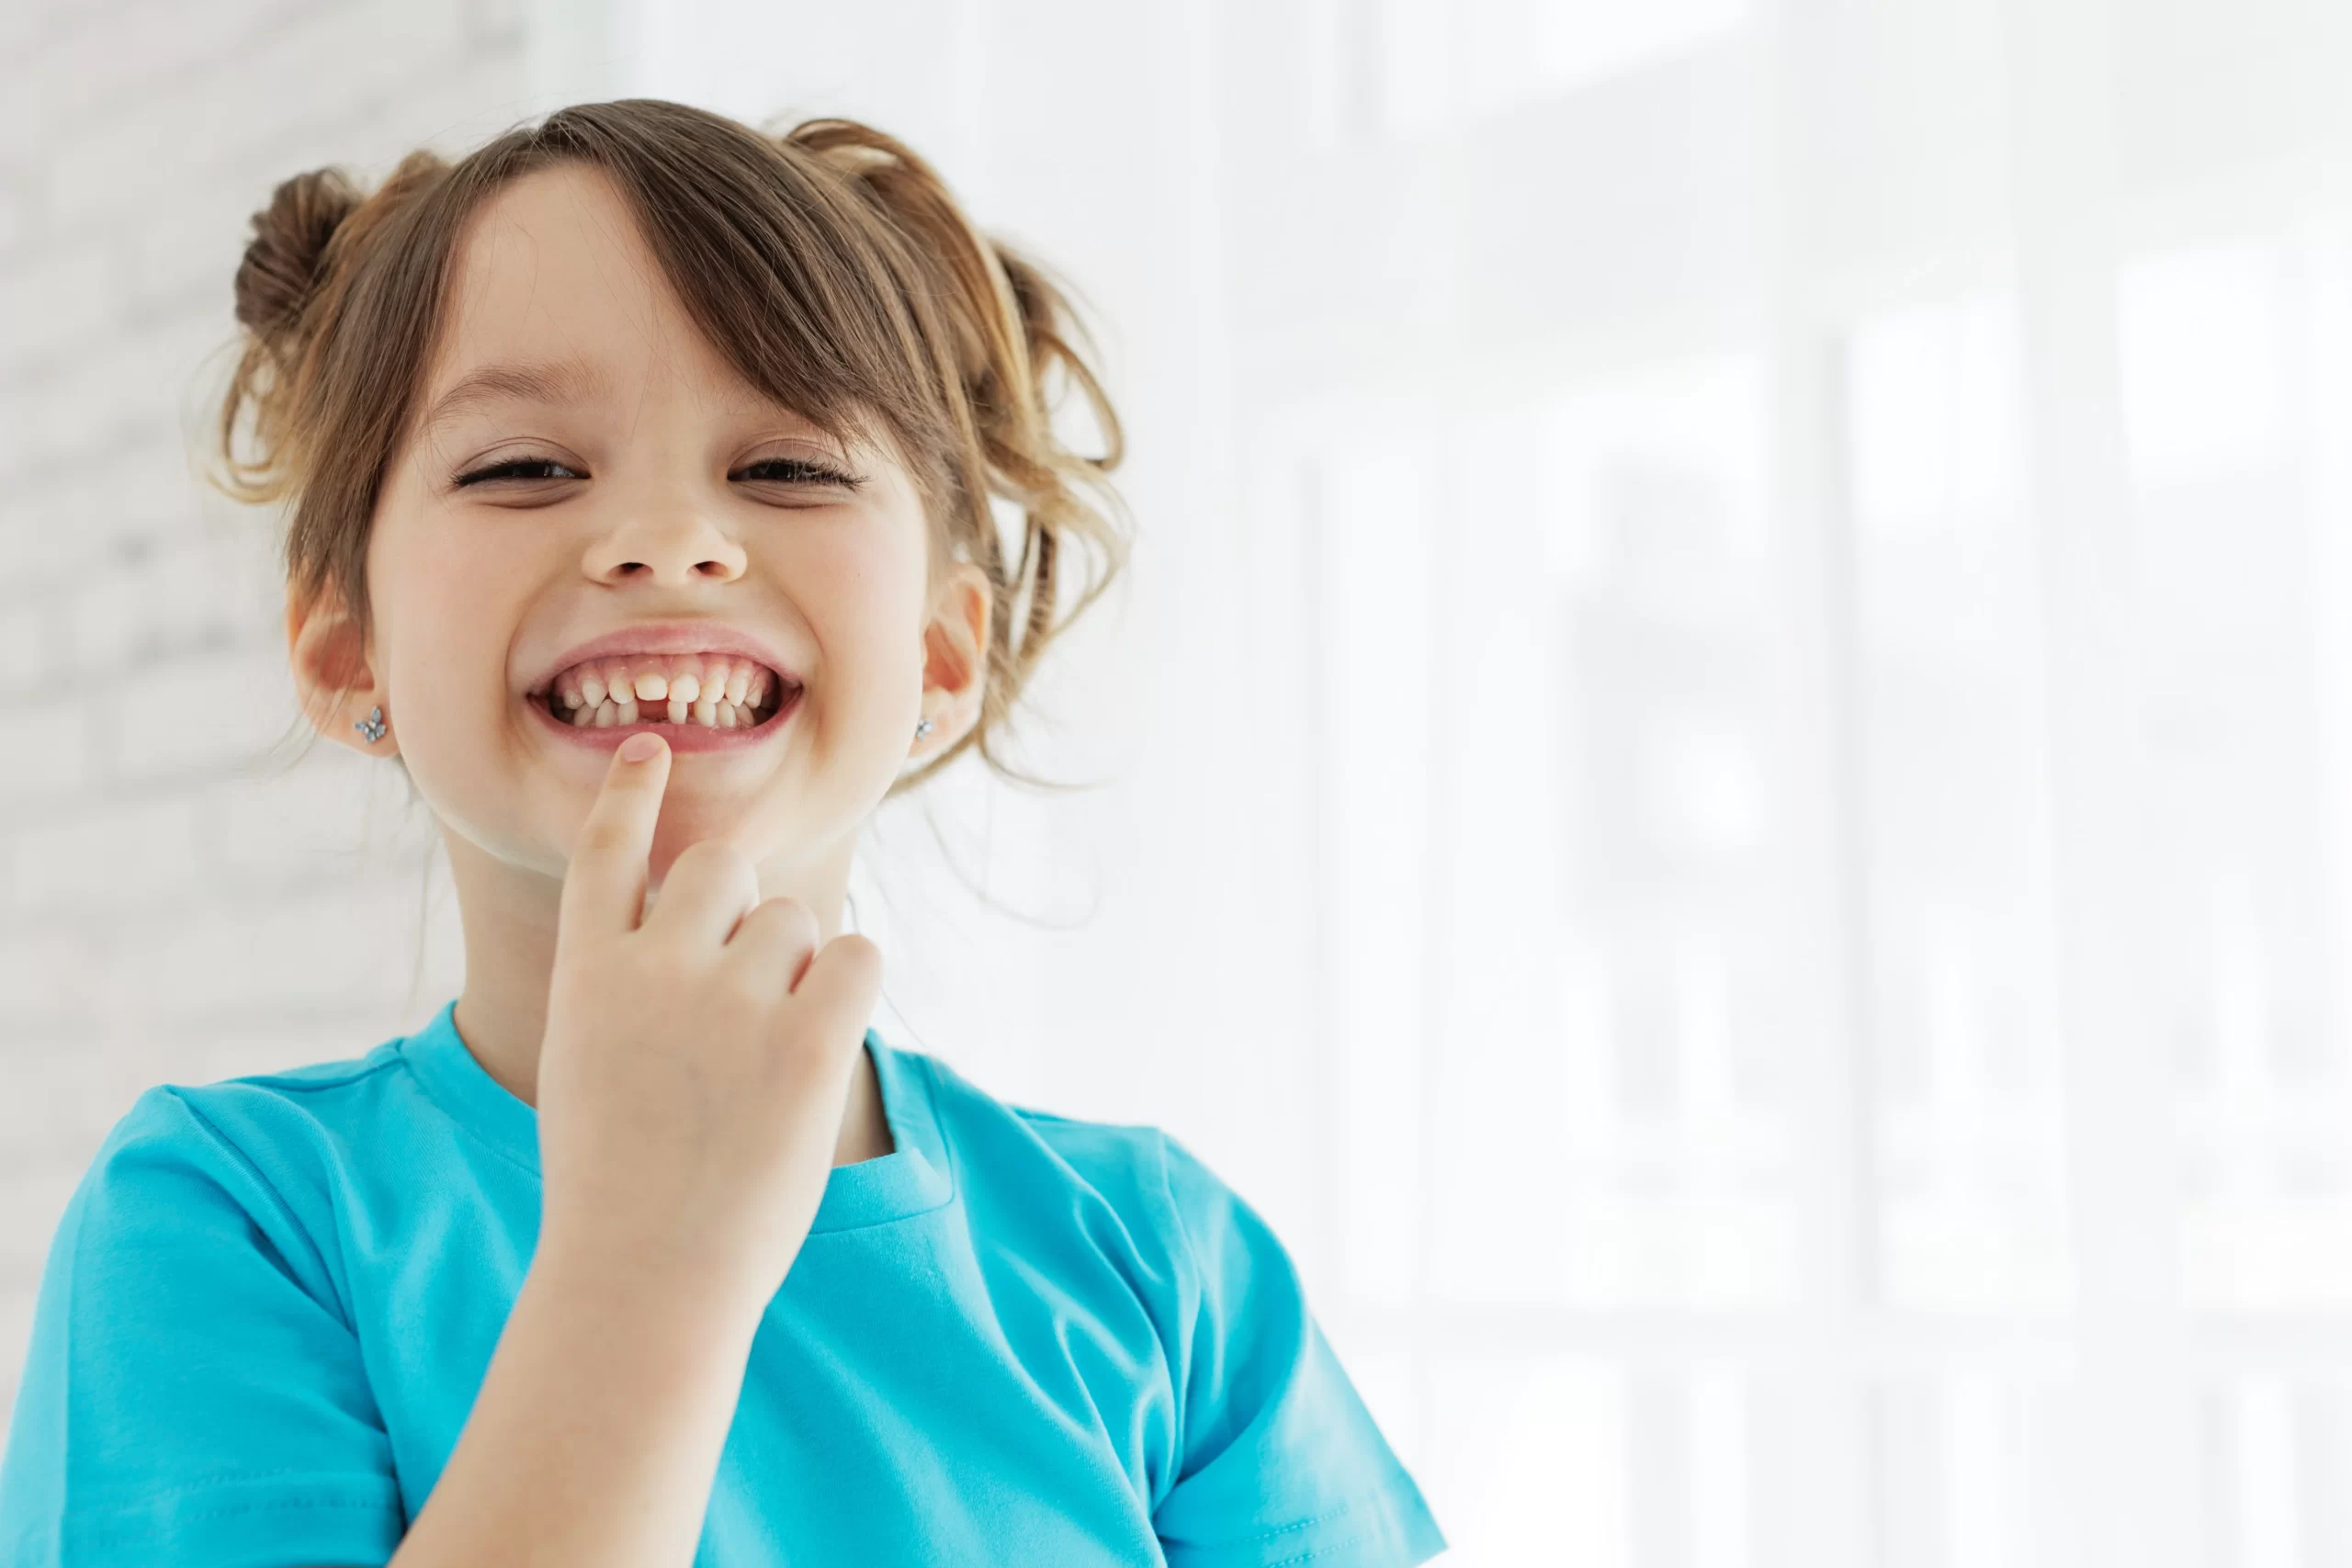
{"x": 603, "y": 888}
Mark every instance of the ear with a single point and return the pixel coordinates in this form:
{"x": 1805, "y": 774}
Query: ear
{"x": 955, "y": 673}
{"x": 334, "y": 677}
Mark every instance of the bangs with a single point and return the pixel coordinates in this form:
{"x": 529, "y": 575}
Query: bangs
{"x": 815, "y": 301}
{"x": 810, "y": 296}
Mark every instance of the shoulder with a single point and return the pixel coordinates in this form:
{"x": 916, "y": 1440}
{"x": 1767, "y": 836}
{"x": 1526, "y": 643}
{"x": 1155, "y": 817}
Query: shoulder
{"x": 276, "y": 1120}
{"x": 1156, "y": 1185}
{"x": 193, "y": 1365}
{"x": 266, "y": 1152}
{"x": 229, "y": 1117}
{"x": 1117, "y": 1155}
{"x": 313, "y": 1094}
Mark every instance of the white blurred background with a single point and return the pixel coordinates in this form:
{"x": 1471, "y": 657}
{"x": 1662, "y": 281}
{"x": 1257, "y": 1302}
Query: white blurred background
{"x": 1726, "y": 768}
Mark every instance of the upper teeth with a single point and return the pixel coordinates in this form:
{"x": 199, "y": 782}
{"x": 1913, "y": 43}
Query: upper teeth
{"x": 696, "y": 688}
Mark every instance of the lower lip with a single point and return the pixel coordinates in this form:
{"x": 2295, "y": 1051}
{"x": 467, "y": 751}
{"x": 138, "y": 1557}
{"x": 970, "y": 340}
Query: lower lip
{"x": 681, "y": 737}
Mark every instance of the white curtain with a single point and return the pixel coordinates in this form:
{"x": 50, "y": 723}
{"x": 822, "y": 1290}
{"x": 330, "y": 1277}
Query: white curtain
{"x": 1731, "y": 743}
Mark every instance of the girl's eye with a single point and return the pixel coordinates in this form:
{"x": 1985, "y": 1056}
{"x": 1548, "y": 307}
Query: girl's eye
{"x": 799, "y": 470}
{"x": 508, "y": 471}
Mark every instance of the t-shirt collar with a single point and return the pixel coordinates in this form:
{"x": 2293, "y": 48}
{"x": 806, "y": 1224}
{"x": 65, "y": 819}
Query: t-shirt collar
{"x": 914, "y": 1178}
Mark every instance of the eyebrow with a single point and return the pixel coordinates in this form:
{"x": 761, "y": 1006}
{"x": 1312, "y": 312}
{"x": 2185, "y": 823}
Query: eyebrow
{"x": 553, "y": 381}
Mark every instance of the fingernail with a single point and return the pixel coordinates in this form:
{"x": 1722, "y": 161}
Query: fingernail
{"x": 640, "y": 748}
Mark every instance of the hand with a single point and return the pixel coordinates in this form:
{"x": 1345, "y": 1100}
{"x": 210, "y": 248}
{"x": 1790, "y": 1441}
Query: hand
{"x": 696, "y": 1066}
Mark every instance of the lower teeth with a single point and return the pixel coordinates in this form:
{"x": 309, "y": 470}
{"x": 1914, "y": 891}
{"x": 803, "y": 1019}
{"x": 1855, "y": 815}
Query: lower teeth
{"x": 657, "y": 713}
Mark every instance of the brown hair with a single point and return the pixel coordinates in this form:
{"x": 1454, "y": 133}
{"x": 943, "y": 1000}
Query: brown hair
{"x": 828, "y": 264}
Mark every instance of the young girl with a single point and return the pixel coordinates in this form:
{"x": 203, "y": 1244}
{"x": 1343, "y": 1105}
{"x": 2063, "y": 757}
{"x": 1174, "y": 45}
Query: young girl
{"x": 642, "y": 467}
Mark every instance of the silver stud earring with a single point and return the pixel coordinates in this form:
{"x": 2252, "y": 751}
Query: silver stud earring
{"x": 922, "y": 727}
{"x": 372, "y": 726}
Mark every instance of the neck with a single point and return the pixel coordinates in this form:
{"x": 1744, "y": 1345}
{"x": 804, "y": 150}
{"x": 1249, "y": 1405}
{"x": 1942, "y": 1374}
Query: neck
{"x": 509, "y": 916}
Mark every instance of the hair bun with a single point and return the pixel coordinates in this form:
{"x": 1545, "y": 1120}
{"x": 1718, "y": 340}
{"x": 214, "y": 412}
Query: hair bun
{"x": 283, "y": 263}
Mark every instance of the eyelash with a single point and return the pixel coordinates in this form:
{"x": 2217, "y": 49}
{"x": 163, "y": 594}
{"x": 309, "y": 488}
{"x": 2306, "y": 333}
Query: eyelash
{"x": 808, "y": 473}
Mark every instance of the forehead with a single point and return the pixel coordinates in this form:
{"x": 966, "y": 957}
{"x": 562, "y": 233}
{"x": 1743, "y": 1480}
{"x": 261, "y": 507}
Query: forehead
{"x": 552, "y": 270}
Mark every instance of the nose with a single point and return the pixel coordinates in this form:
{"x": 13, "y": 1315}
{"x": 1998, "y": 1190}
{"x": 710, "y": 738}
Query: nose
{"x": 673, "y": 545}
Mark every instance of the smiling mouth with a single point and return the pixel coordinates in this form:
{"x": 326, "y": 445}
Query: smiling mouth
{"x": 686, "y": 691}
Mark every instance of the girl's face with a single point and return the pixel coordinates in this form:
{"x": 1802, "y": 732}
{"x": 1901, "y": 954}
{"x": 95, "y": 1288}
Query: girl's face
{"x": 638, "y": 511}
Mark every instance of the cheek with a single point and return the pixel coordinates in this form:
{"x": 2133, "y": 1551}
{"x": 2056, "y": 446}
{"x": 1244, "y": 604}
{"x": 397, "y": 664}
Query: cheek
{"x": 862, "y": 598}
{"x": 444, "y": 607}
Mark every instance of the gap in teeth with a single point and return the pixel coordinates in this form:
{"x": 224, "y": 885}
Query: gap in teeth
{"x": 713, "y": 715}
{"x": 719, "y": 692}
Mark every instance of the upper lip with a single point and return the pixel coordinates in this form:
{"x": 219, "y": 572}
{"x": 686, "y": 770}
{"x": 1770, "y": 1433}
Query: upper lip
{"x": 667, "y": 637}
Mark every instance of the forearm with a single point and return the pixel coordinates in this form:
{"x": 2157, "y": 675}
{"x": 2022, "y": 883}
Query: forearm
{"x": 595, "y": 1436}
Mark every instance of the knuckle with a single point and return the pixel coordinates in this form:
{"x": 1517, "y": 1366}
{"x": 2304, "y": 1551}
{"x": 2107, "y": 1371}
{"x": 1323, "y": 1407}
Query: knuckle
{"x": 745, "y": 991}
{"x": 782, "y": 916}
{"x": 783, "y": 925}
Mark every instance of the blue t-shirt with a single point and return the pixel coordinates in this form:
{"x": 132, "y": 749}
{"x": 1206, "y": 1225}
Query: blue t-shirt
{"x": 1018, "y": 1338}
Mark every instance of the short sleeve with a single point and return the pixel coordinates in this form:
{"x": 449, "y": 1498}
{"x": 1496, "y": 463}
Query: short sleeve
{"x": 1281, "y": 1464}
{"x": 193, "y": 1395}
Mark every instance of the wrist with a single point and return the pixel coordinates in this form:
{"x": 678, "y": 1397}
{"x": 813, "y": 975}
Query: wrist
{"x": 636, "y": 1296}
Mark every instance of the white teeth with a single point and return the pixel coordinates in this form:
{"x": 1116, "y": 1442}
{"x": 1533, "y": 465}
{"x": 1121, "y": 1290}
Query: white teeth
{"x": 717, "y": 692}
